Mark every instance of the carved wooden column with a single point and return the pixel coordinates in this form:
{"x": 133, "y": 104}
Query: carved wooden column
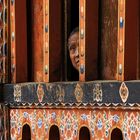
{"x": 4, "y": 43}
{"x": 88, "y": 36}
{"x": 82, "y": 8}
{"x": 46, "y": 40}
{"x": 108, "y": 37}
{"x": 119, "y": 39}
{"x": 18, "y": 41}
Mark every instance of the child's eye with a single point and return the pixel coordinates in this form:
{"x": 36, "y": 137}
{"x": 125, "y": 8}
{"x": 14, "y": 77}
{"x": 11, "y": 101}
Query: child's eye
{"x": 73, "y": 47}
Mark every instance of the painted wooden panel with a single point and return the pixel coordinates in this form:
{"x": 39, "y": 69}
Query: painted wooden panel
{"x": 4, "y": 40}
{"x": 4, "y": 122}
{"x": 100, "y": 122}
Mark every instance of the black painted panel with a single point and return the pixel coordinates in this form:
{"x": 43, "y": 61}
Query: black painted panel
{"x": 64, "y": 92}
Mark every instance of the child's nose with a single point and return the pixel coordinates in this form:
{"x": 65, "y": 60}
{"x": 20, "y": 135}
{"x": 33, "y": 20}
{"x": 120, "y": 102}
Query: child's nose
{"x": 76, "y": 52}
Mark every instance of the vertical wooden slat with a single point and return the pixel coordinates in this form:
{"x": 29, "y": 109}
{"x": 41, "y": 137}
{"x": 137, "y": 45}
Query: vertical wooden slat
{"x": 55, "y": 40}
{"x": 109, "y": 38}
{"x": 82, "y": 17}
{"x": 91, "y": 40}
{"x": 131, "y": 40}
{"x": 37, "y": 39}
{"x": 21, "y": 41}
{"x": 128, "y": 40}
{"x": 6, "y": 43}
{"x": 88, "y": 11}
{"x": 124, "y": 65}
{"x": 121, "y": 40}
{"x": 46, "y": 42}
{"x": 18, "y": 41}
{"x": 13, "y": 41}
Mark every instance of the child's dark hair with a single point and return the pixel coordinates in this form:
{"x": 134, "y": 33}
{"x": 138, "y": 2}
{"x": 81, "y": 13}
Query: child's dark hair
{"x": 75, "y": 30}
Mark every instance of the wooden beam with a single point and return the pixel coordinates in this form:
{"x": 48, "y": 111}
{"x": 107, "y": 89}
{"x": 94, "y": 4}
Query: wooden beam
{"x": 18, "y": 41}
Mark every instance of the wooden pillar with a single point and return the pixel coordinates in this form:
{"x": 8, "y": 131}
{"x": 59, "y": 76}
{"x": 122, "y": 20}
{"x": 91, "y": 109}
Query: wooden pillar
{"x": 18, "y": 41}
{"x": 46, "y": 40}
{"x": 4, "y": 40}
{"x": 37, "y": 39}
{"x": 131, "y": 40}
{"x": 88, "y": 34}
{"x": 55, "y": 40}
{"x": 119, "y": 39}
{"x": 108, "y": 37}
{"x": 91, "y": 40}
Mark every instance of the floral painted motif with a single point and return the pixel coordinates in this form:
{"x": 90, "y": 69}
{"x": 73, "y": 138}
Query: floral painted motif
{"x": 97, "y": 93}
{"x": 39, "y": 123}
{"x": 124, "y": 92}
{"x": 116, "y": 118}
{"x": 60, "y": 93}
{"x": 78, "y": 93}
{"x": 17, "y": 93}
{"x": 100, "y": 123}
{"x": 84, "y": 117}
{"x": 40, "y": 92}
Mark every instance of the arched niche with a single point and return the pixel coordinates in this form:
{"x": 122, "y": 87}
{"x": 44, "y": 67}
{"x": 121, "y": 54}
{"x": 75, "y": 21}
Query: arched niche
{"x": 54, "y": 133}
{"x": 26, "y": 132}
{"x": 84, "y": 133}
{"x": 116, "y": 134}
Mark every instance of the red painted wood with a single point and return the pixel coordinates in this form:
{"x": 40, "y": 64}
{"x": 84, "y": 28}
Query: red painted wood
{"x": 131, "y": 40}
{"x": 91, "y": 40}
{"x": 55, "y": 40}
{"x": 21, "y": 41}
{"x": 37, "y": 39}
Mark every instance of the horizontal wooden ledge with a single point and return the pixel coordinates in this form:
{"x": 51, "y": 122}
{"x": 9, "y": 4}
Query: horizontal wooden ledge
{"x": 101, "y": 92}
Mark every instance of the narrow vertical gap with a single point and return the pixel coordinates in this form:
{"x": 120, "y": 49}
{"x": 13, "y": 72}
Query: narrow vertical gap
{"x": 138, "y": 61}
{"x": 65, "y": 2}
{"x": 64, "y": 35}
{"x": 72, "y": 23}
{"x": 29, "y": 40}
{"x": 99, "y": 68}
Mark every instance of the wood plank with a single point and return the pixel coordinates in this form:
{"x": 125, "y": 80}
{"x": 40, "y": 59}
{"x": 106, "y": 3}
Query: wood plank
{"x": 46, "y": 40}
{"x": 108, "y": 38}
{"x": 68, "y": 93}
{"x": 21, "y": 41}
{"x": 37, "y": 39}
{"x": 18, "y": 41}
{"x": 55, "y": 40}
{"x": 91, "y": 40}
{"x": 120, "y": 53}
{"x": 131, "y": 40}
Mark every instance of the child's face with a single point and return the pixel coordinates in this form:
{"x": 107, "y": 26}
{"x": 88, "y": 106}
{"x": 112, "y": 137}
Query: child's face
{"x": 73, "y": 46}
